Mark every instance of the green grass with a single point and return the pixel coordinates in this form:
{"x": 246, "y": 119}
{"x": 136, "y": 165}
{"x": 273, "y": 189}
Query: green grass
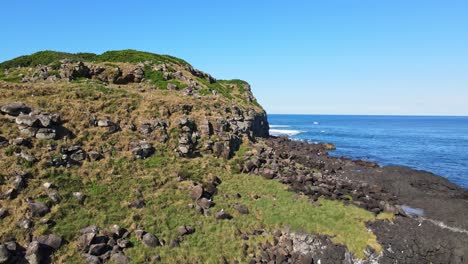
{"x": 53, "y": 57}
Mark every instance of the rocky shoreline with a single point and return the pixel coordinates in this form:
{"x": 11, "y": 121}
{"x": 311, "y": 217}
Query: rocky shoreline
{"x": 438, "y": 235}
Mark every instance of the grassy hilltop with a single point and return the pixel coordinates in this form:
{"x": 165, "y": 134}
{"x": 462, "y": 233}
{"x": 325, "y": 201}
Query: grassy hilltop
{"x": 139, "y": 135}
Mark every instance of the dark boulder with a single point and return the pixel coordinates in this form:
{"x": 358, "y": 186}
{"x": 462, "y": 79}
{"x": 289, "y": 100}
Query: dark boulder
{"x": 185, "y": 230}
{"x": 15, "y": 108}
{"x": 241, "y": 208}
{"x": 38, "y": 209}
{"x": 222, "y": 215}
{"x": 150, "y": 240}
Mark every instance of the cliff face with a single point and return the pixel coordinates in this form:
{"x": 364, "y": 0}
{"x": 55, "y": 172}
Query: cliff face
{"x": 165, "y": 93}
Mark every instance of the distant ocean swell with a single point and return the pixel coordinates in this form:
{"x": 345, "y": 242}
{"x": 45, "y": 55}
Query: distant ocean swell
{"x": 435, "y": 144}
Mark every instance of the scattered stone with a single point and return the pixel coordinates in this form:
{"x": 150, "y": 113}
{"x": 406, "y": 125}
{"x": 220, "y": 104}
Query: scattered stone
{"x": 222, "y": 215}
{"x": 15, "y": 109}
{"x": 150, "y": 240}
{"x": 197, "y": 192}
{"x": 25, "y": 223}
{"x": 33, "y": 253}
{"x": 119, "y": 258}
{"x": 38, "y": 209}
{"x": 4, "y": 254}
{"x": 98, "y": 249}
{"x": 79, "y": 196}
{"x": 50, "y": 240}
{"x": 142, "y": 149}
{"x": 241, "y": 208}
{"x": 185, "y": 230}
{"x": 3, "y": 212}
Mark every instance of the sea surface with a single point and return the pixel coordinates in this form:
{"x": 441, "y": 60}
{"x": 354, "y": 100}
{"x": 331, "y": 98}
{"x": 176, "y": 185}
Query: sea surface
{"x": 432, "y": 143}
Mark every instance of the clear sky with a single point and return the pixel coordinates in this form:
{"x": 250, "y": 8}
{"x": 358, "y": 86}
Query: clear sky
{"x": 309, "y": 57}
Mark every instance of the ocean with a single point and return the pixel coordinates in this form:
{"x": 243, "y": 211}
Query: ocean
{"x": 431, "y": 143}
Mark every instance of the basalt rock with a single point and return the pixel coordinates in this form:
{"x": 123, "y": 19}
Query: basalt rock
{"x": 15, "y": 109}
{"x": 142, "y": 149}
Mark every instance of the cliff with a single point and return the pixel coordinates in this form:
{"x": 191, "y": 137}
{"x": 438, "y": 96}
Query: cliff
{"x": 134, "y": 157}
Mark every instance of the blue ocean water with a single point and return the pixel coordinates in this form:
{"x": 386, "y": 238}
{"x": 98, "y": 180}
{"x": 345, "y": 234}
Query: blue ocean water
{"x": 432, "y": 143}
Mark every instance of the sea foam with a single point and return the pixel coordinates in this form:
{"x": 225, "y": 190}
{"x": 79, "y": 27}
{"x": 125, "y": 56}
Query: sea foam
{"x": 284, "y": 132}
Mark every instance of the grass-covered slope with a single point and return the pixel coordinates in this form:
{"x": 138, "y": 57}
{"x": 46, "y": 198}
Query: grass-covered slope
{"x": 50, "y": 57}
{"x": 164, "y": 180}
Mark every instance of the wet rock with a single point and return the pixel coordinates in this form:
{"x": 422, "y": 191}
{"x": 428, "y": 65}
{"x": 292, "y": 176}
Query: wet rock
{"x": 150, "y": 240}
{"x": 15, "y": 109}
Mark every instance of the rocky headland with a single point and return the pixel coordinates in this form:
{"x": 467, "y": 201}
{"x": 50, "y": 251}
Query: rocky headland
{"x": 134, "y": 157}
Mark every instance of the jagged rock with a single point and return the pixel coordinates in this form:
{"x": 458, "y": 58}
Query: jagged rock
{"x": 185, "y": 230}
{"x": 139, "y": 233}
{"x": 46, "y": 133}
{"x": 3, "y": 142}
{"x": 4, "y": 254}
{"x": 204, "y": 203}
{"x": 55, "y": 196}
{"x": 150, "y": 240}
{"x": 24, "y": 223}
{"x": 85, "y": 240}
{"x": 119, "y": 258}
{"x": 79, "y": 196}
{"x": 137, "y": 204}
{"x": 90, "y": 229}
{"x": 34, "y": 254}
{"x": 72, "y": 71}
{"x": 8, "y": 194}
{"x": 50, "y": 240}
{"x": 15, "y": 109}
{"x": 3, "y": 212}
{"x": 90, "y": 259}
{"x": 196, "y": 192}
{"x": 118, "y": 231}
{"x": 95, "y": 155}
{"x": 142, "y": 149}
{"x": 38, "y": 209}
{"x": 28, "y": 157}
{"x": 241, "y": 208}
{"x": 123, "y": 243}
{"x": 222, "y": 215}
{"x": 171, "y": 86}
{"x": 110, "y": 126}
{"x": 99, "y": 249}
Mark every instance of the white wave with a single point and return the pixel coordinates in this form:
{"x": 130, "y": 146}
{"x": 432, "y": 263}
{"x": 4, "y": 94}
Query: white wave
{"x": 278, "y": 126}
{"x": 284, "y": 132}
{"x": 316, "y": 123}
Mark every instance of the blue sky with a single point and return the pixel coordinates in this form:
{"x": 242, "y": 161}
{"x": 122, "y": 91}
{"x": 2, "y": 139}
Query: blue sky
{"x": 309, "y": 57}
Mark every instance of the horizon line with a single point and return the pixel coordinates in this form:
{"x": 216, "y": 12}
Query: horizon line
{"x": 415, "y": 115}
